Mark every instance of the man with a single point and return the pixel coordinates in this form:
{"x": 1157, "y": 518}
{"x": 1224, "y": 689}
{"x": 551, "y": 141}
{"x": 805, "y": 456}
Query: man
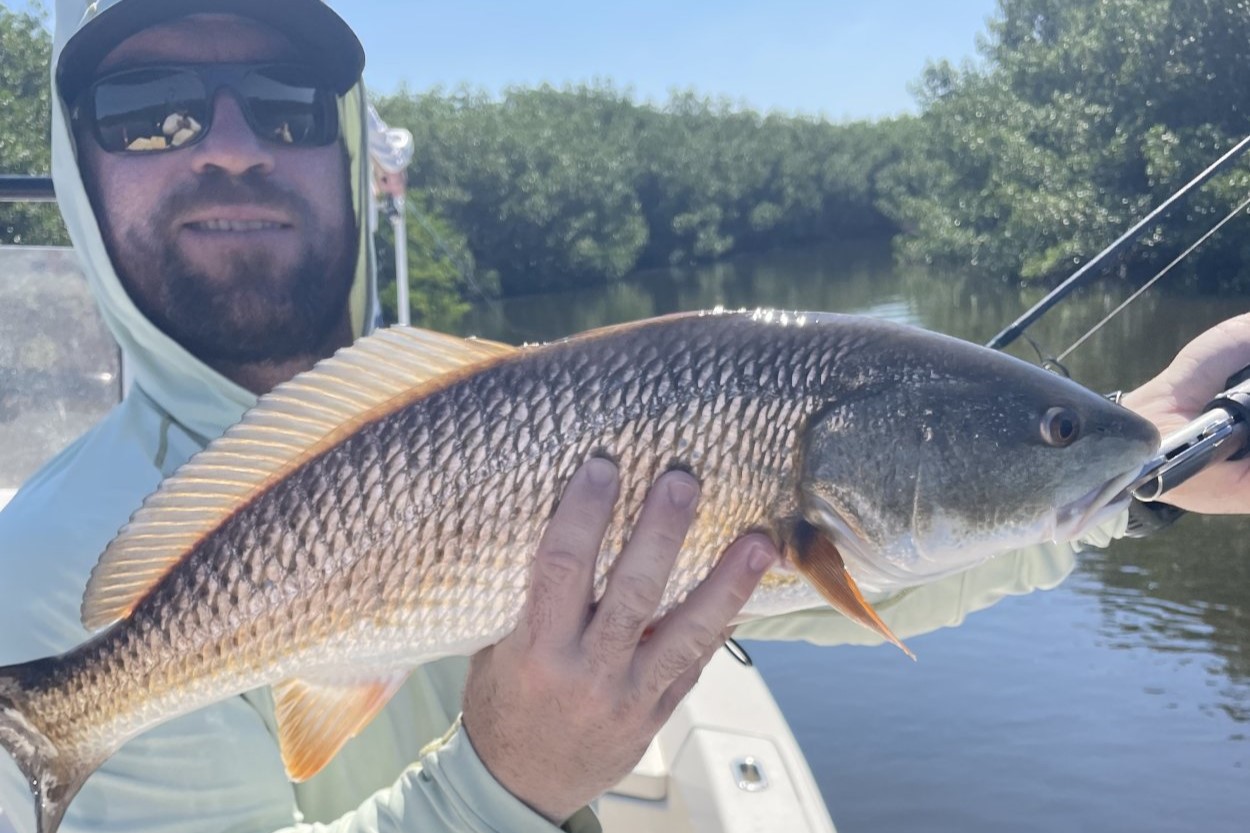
{"x": 225, "y": 242}
{"x": 210, "y": 159}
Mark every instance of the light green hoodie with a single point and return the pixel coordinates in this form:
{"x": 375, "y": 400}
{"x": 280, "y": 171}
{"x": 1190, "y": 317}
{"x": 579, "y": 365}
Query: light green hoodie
{"x": 219, "y": 769}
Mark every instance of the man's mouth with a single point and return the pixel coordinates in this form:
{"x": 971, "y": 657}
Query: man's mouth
{"x": 236, "y": 219}
{"x": 236, "y": 225}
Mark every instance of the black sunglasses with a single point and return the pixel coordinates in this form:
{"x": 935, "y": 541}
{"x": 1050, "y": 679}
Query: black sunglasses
{"x": 157, "y": 108}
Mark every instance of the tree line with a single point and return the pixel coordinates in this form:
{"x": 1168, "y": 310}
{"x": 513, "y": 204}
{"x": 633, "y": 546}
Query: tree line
{"x": 1077, "y": 119}
{"x": 551, "y": 188}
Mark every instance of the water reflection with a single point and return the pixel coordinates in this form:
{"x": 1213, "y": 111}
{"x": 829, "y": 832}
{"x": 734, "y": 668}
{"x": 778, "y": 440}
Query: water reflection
{"x": 1185, "y": 590}
{"x": 856, "y": 277}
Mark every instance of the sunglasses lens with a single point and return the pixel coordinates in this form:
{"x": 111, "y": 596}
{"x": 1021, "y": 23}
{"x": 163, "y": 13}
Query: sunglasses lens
{"x": 159, "y": 108}
{"x": 286, "y": 106}
{"x": 149, "y": 110}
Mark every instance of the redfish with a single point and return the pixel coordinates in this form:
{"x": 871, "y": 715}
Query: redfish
{"x": 380, "y": 510}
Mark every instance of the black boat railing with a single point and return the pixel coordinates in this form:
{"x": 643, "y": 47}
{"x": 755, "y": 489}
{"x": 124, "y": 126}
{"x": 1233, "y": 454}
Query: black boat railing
{"x": 16, "y": 188}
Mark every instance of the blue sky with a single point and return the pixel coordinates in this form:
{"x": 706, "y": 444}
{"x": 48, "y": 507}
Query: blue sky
{"x": 840, "y": 58}
{"x": 843, "y": 59}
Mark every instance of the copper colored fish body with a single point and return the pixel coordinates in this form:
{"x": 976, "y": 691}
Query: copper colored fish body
{"x": 381, "y": 510}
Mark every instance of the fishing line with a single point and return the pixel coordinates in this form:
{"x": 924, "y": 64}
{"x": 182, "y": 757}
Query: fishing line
{"x": 441, "y": 250}
{"x": 1047, "y": 361}
{"x": 1244, "y": 203}
{"x": 465, "y": 271}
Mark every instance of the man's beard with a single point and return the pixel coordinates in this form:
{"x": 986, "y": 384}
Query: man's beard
{"x": 249, "y": 309}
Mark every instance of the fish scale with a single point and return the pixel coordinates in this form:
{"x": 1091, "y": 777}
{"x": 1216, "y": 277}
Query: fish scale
{"x": 358, "y": 523}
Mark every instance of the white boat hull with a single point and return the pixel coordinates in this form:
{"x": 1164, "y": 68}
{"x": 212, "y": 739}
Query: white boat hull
{"x": 726, "y": 762}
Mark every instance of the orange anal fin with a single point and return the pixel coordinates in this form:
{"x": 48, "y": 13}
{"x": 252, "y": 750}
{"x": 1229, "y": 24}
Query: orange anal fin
{"x": 819, "y": 561}
{"x": 316, "y": 717}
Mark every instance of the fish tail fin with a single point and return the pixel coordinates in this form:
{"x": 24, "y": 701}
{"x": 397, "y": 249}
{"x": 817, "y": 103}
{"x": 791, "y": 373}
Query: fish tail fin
{"x": 53, "y": 775}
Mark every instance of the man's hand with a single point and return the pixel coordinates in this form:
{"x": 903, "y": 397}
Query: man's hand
{"x": 562, "y": 708}
{"x": 1178, "y": 394}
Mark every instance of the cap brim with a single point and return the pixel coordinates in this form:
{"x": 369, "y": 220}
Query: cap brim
{"x": 312, "y": 27}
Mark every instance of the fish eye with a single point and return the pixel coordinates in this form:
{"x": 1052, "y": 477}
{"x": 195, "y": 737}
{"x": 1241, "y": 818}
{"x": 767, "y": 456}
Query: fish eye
{"x": 1060, "y": 427}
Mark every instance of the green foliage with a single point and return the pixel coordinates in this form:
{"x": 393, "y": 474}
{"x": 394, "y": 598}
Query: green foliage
{"x": 580, "y": 186}
{"x": 1082, "y": 118}
{"x": 26, "y": 48}
{"x": 534, "y": 182}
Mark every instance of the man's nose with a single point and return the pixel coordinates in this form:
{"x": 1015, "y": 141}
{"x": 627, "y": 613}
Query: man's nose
{"x": 231, "y": 145}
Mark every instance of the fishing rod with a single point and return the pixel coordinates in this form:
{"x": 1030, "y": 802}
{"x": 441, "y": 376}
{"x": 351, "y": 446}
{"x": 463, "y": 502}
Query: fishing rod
{"x": 1082, "y": 276}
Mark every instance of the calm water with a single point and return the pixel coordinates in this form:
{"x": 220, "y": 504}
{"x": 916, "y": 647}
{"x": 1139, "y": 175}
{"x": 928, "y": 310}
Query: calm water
{"x": 1118, "y": 701}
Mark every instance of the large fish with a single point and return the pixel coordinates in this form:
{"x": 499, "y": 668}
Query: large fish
{"x": 379, "y": 511}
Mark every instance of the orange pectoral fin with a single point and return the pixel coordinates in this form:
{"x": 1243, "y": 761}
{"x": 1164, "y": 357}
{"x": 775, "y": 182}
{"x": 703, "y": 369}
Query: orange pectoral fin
{"x": 819, "y": 561}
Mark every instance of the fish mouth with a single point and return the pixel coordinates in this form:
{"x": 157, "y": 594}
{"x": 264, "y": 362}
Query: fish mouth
{"x": 1095, "y": 507}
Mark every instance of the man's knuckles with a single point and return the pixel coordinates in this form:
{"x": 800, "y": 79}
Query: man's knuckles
{"x": 619, "y": 626}
{"x": 671, "y": 663}
{"x": 560, "y": 567}
{"x": 637, "y": 591}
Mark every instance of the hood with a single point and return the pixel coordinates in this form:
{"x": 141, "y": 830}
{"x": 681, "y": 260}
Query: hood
{"x": 192, "y": 393}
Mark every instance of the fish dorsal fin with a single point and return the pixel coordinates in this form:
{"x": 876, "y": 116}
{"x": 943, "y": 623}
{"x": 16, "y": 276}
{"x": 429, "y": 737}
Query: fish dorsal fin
{"x": 316, "y": 717}
{"x": 290, "y": 425}
{"x": 819, "y": 561}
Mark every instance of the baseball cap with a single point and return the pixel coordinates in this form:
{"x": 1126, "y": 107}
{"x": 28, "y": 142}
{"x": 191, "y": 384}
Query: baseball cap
{"x": 312, "y": 26}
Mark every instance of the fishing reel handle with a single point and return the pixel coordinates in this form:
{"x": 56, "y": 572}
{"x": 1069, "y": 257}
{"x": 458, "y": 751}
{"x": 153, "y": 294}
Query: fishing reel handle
{"x": 1220, "y": 433}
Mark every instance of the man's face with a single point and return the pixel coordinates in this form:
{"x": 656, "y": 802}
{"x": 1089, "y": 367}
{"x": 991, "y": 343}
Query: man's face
{"x": 240, "y": 249}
